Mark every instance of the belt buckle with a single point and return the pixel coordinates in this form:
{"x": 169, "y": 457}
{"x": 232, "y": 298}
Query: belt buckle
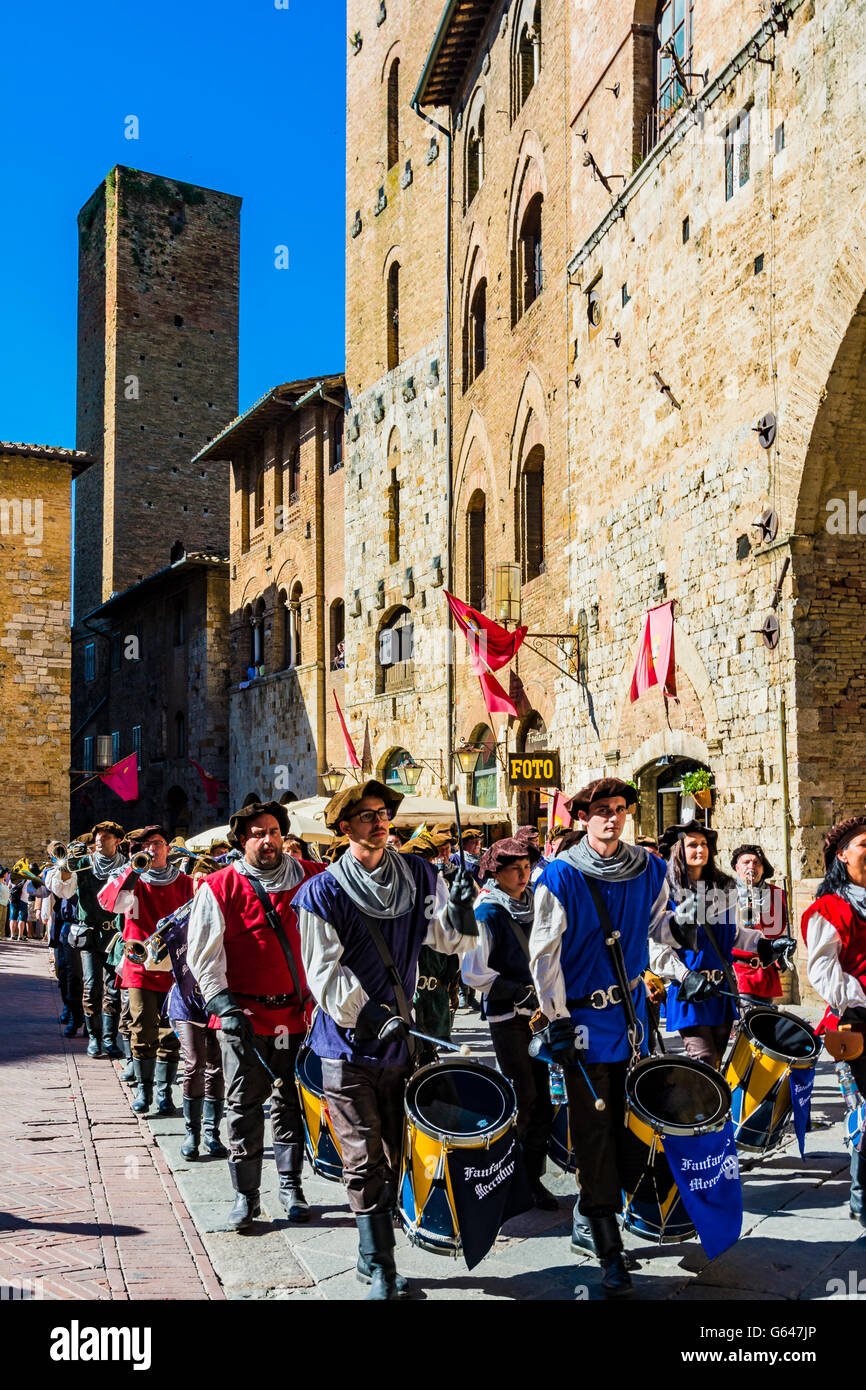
{"x": 602, "y": 996}
{"x": 614, "y": 995}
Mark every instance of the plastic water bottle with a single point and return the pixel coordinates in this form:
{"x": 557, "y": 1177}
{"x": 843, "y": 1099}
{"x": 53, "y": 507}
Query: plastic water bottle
{"x": 557, "y": 1084}
{"x": 848, "y": 1086}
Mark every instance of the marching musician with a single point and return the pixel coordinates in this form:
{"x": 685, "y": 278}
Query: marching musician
{"x": 431, "y": 1004}
{"x": 471, "y": 841}
{"x": 834, "y": 929}
{"x": 698, "y": 1003}
{"x": 363, "y": 923}
{"x": 143, "y": 897}
{"x": 577, "y": 988}
{"x": 243, "y": 949}
{"x": 203, "y": 1082}
{"x": 499, "y": 968}
{"x": 761, "y": 905}
{"x": 91, "y": 936}
{"x": 67, "y": 962}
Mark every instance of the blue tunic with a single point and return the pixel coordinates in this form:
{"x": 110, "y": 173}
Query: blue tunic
{"x": 505, "y": 955}
{"x": 404, "y": 935}
{"x": 718, "y": 1008}
{"x": 585, "y": 959}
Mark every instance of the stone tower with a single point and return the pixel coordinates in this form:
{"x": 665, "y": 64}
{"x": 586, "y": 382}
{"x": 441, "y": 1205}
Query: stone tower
{"x": 157, "y": 375}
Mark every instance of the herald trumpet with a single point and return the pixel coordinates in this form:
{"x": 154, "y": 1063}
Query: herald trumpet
{"x": 141, "y": 862}
{"x": 74, "y": 858}
{"x": 153, "y": 950}
{"x": 20, "y": 872}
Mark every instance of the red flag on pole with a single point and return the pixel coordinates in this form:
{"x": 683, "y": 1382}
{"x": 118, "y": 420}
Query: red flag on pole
{"x": 559, "y": 815}
{"x": 210, "y": 783}
{"x": 655, "y": 659}
{"x": 490, "y": 646}
{"x": 122, "y": 778}
{"x": 354, "y": 760}
{"x": 495, "y": 698}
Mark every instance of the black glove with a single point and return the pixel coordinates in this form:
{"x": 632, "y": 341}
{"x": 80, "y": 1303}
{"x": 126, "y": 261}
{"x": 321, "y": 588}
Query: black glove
{"x": 556, "y": 1041}
{"x": 380, "y": 1021}
{"x": 506, "y": 994}
{"x": 695, "y": 986}
{"x": 460, "y": 915}
{"x": 684, "y": 923}
{"x": 233, "y": 1021}
{"x": 779, "y": 952}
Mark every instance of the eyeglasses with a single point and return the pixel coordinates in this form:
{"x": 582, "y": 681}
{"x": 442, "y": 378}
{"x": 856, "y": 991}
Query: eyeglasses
{"x": 368, "y": 817}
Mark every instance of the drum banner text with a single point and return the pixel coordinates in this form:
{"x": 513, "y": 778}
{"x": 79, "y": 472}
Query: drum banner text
{"x": 174, "y": 937}
{"x": 707, "y": 1173}
{"x": 489, "y": 1186}
{"x": 801, "y": 1102}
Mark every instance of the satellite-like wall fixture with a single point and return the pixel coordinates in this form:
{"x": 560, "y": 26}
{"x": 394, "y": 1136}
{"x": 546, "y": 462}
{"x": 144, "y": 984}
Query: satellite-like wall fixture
{"x": 765, "y": 429}
{"x": 768, "y": 525}
{"x": 604, "y": 179}
{"x": 769, "y": 631}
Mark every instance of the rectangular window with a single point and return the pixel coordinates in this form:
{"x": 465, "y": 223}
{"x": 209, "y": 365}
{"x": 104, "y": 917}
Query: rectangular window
{"x": 104, "y": 746}
{"x": 88, "y": 755}
{"x": 90, "y": 661}
{"x": 115, "y": 746}
{"x": 136, "y": 744}
{"x": 737, "y": 155}
{"x": 179, "y": 623}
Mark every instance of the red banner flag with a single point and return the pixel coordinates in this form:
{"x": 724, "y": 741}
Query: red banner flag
{"x": 490, "y": 646}
{"x": 209, "y": 782}
{"x": 122, "y": 778}
{"x": 559, "y": 815}
{"x": 495, "y": 698}
{"x": 354, "y": 760}
{"x": 655, "y": 659}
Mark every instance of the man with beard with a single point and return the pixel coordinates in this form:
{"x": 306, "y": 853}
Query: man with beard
{"x": 363, "y": 923}
{"x": 244, "y": 951}
{"x": 92, "y": 934}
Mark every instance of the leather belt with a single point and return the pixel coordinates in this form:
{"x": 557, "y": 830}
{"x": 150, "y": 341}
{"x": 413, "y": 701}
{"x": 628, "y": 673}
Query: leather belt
{"x": 602, "y": 998}
{"x": 271, "y": 1001}
{"x": 715, "y": 976}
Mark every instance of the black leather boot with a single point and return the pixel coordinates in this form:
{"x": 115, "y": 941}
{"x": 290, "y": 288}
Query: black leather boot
{"x": 192, "y": 1106}
{"x": 246, "y": 1176}
{"x": 290, "y": 1165}
{"x": 165, "y": 1076}
{"x": 376, "y": 1257}
{"x": 542, "y": 1198}
{"x": 128, "y": 1073}
{"x": 143, "y": 1098}
{"x": 109, "y": 1036}
{"x": 615, "y": 1279}
{"x": 93, "y": 1024}
{"x": 582, "y": 1242}
{"x": 212, "y": 1113}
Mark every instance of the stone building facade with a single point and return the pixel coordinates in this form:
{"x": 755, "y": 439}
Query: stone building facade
{"x": 35, "y": 612}
{"x": 286, "y": 591}
{"x": 155, "y": 662}
{"x": 396, "y": 506}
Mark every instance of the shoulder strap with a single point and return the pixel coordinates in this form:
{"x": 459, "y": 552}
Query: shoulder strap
{"x": 273, "y": 921}
{"x": 612, "y": 942}
{"x": 393, "y": 974}
{"x": 519, "y": 934}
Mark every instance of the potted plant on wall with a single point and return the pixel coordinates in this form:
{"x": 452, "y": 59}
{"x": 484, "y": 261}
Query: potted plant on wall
{"x": 699, "y": 786}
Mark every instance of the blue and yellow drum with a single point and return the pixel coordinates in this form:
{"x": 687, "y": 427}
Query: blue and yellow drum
{"x": 320, "y": 1141}
{"x": 771, "y": 1044}
{"x": 449, "y": 1105}
{"x": 666, "y": 1095}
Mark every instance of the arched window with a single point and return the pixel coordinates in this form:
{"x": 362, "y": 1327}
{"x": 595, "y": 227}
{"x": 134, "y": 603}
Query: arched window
{"x": 394, "y": 113}
{"x": 392, "y": 499}
{"x": 527, "y": 56}
{"x": 475, "y": 156}
{"x": 294, "y": 634}
{"x": 476, "y": 561}
{"x": 484, "y": 777}
{"x": 338, "y": 635}
{"x": 259, "y": 636}
{"x": 294, "y": 476}
{"x": 392, "y": 316}
{"x": 391, "y": 771}
{"x": 395, "y": 665}
{"x": 531, "y": 529}
{"x": 528, "y": 268}
{"x": 259, "y": 499}
{"x": 249, "y": 620}
{"x": 476, "y": 333}
{"x": 179, "y": 735}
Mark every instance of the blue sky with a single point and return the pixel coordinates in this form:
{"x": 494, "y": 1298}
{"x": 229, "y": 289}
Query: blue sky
{"x": 231, "y": 94}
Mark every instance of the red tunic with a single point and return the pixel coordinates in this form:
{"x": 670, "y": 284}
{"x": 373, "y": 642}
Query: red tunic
{"x": 851, "y": 930}
{"x": 153, "y": 901}
{"x": 763, "y": 981}
{"x": 255, "y": 964}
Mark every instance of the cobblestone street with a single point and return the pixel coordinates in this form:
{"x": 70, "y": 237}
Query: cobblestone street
{"x": 100, "y": 1205}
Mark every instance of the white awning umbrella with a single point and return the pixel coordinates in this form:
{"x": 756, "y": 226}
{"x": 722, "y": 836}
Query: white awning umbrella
{"x": 431, "y": 810}
{"x": 304, "y": 823}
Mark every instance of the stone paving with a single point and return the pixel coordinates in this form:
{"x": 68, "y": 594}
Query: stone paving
{"x": 100, "y": 1204}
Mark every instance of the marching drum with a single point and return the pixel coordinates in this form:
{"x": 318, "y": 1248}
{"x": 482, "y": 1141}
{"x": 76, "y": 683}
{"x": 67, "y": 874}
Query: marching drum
{"x": 320, "y": 1141}
{"x": 676, "y": 1096}
{"x": 449, "y": 1105}
{"x": 559, "y": 1146}
{"x": 770, "y": 1046}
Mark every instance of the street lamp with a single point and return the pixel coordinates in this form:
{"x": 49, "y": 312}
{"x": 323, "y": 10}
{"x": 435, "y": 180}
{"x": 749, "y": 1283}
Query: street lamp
{"x": 333, "y": 779}
{"x": 506, "y": 592}
{"x": 467, "y": 756}
{"x": 408, "y": 772}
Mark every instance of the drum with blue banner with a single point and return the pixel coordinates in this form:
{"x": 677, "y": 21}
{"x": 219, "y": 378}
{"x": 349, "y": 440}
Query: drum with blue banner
{"x": 771, "y": 1047}
{"x": 675, "y": 1096}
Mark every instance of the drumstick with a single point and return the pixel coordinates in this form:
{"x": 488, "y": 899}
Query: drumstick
{"x": 463, "y": 1048}
{"x": 452, "y": 791}
{"x": 276, "y": 1080}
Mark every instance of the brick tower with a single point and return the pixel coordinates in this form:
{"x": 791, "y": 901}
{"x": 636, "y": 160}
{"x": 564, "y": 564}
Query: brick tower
{"x": 157, "y": 375}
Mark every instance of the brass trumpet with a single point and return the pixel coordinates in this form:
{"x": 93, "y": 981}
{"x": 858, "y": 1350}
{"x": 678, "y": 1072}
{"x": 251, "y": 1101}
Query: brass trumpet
{"x": 20, "y": 872}
{"x": 140, "y": 862}
{"x": 138, "y": 952}
{"x": 74, "y": 858}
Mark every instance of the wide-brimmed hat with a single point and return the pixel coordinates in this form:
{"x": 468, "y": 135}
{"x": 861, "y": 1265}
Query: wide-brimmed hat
{"x": 343, "y": 801}
{"x": 239, "y": 819}
{"x": 422, "y": 843}
{"x": 136, "y": 841}
{"x": 110, "y": 827}
{"x": 758, "y": 852}
{"x": 597, "y": 790}
{"x": 205, "y": 864}
{"x": 504, "y": 852}
{"x": 672, "y": 833}
{"x": 471, "y": 832}
{"x": 842, "y": 835}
